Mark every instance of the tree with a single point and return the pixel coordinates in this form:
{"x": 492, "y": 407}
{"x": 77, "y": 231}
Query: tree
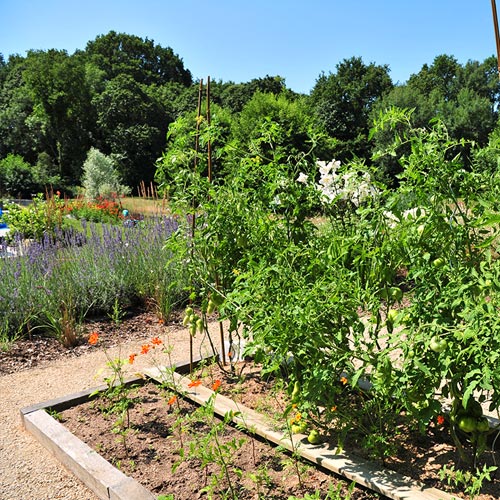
{"x": 100, "y": 177}
{"x": 132, "y": 127}
{"x": 143, "y": 60}
{"x": 464, "y": 97}
{"x": 58, "y": 88}
{"x": 20, "y": 130}
{"x": 341, "y": 103}
{"x": 16, "y": 177}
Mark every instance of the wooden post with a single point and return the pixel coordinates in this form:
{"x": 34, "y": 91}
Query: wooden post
{"x": 497, "y": 34}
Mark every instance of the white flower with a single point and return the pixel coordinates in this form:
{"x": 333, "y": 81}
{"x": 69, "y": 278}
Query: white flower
{"x": 325, "y": 168}
{"x": 303, "y": 178}
{"x": 327, "y": 180}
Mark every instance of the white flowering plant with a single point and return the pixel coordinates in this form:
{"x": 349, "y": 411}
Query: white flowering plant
{"x": 342, "y": 188}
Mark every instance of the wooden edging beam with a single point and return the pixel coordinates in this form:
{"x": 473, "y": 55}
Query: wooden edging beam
{"x": 105, "y": 480}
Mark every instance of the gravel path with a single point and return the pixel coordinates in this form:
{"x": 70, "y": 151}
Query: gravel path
{"x": 27, "y": 470}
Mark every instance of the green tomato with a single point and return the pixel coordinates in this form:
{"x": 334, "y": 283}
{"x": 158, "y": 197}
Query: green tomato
{"x": 482, "y": 424}
{"x": 296, "y": 391}
{"x": 396, "y": 293}
{"x": 392, "y": 316}
{"x": 437, "y": 344}
{"x": 299, "y": 427}
{"x": 467, "y": 424}
{"x": 437, "y": 263}
{"x": 200, "y": 325}
{"x": 314, "y": 437}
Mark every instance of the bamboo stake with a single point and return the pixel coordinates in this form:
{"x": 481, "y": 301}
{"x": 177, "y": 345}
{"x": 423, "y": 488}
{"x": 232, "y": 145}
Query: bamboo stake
{"x": 497, "y": 33}
{"x": 193, "y": 217}
{"x": 209, "y": 145}
{"x": 217, "y": 281}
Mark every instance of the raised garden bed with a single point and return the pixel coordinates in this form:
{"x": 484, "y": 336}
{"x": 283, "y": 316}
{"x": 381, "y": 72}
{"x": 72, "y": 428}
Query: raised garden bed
{"x": 108, "y": 482}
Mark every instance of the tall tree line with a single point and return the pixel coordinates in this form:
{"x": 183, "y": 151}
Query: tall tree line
{"x": 121, "y": 94}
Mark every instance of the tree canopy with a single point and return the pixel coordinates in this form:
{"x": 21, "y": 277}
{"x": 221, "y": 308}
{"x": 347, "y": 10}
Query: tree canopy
{"x": 121, "y": 93}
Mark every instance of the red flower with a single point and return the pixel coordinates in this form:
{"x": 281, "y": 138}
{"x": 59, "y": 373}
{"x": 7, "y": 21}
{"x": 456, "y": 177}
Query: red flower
{"x": 94, "y": 338}
{"x": 194, "y": 383}
{"x": 440, "y": 419}
{"x": 145, "y": 348}
{"x": 172, "y": 400}
{"x": 156, "y": 341}
{"x": 131, "y": 358}
{"x": 216, "y": 385}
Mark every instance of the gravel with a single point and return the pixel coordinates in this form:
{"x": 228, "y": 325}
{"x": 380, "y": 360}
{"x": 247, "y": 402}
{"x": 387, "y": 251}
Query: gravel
{"x": 27, "y": 470}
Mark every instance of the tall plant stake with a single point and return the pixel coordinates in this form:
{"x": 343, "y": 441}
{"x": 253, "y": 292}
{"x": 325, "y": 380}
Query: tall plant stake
{"x": 209, "y": 159}
{"x": 193, "y": 216}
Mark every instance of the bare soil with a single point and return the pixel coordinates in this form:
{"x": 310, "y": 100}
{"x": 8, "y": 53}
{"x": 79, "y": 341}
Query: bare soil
{"x": 169, "y": 449}
{"x": 152, "y": 446}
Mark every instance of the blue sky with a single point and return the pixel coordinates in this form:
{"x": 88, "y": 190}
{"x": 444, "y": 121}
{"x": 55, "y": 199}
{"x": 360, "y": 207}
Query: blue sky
{"x": 233, "y": 40}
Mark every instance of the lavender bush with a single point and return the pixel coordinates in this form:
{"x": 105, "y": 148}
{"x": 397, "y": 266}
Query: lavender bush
{"x": 54, "y": 284}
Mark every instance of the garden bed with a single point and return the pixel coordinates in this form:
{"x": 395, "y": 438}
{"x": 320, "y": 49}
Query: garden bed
{"x": 150, "y": 448}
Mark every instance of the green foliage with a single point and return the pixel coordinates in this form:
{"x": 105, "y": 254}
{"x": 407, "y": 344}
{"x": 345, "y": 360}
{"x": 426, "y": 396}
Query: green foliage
{"x": 133, "y": 125}
{"x": 398, "y": 287}
{"x": 40, "y": 218}
{"x": 16, "y": 177}
{"x": 143, "y": 60}
{"x": 341, "y": 103}
{"x": 100, "y": 178}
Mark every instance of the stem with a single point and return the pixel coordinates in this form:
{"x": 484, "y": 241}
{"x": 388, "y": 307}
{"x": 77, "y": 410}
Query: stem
{"x": 225, "y": 466}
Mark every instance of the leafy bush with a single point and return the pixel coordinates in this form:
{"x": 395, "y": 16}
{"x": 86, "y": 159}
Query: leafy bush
{"x": 40, "y": 218}
{"x": 16, "y": 177}
{"x": 100, "y": 177}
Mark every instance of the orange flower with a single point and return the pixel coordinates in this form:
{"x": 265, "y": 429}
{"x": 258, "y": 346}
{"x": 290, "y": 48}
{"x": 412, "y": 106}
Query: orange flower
{"x": 333, "y": 408}
{"x": 440, "y": 419}
{"x": 131, "y": 358}
{"x": 156, "y": 341}
{"x": 172, "y": 400}
{"x": 216, "y": 385}
{"x": 94, "y": 338}
{"x": 145, "y": 348}
{"x": 194, "y": 383}
{"x": 343, "y": 380}
{"x": 298, "y": 416}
